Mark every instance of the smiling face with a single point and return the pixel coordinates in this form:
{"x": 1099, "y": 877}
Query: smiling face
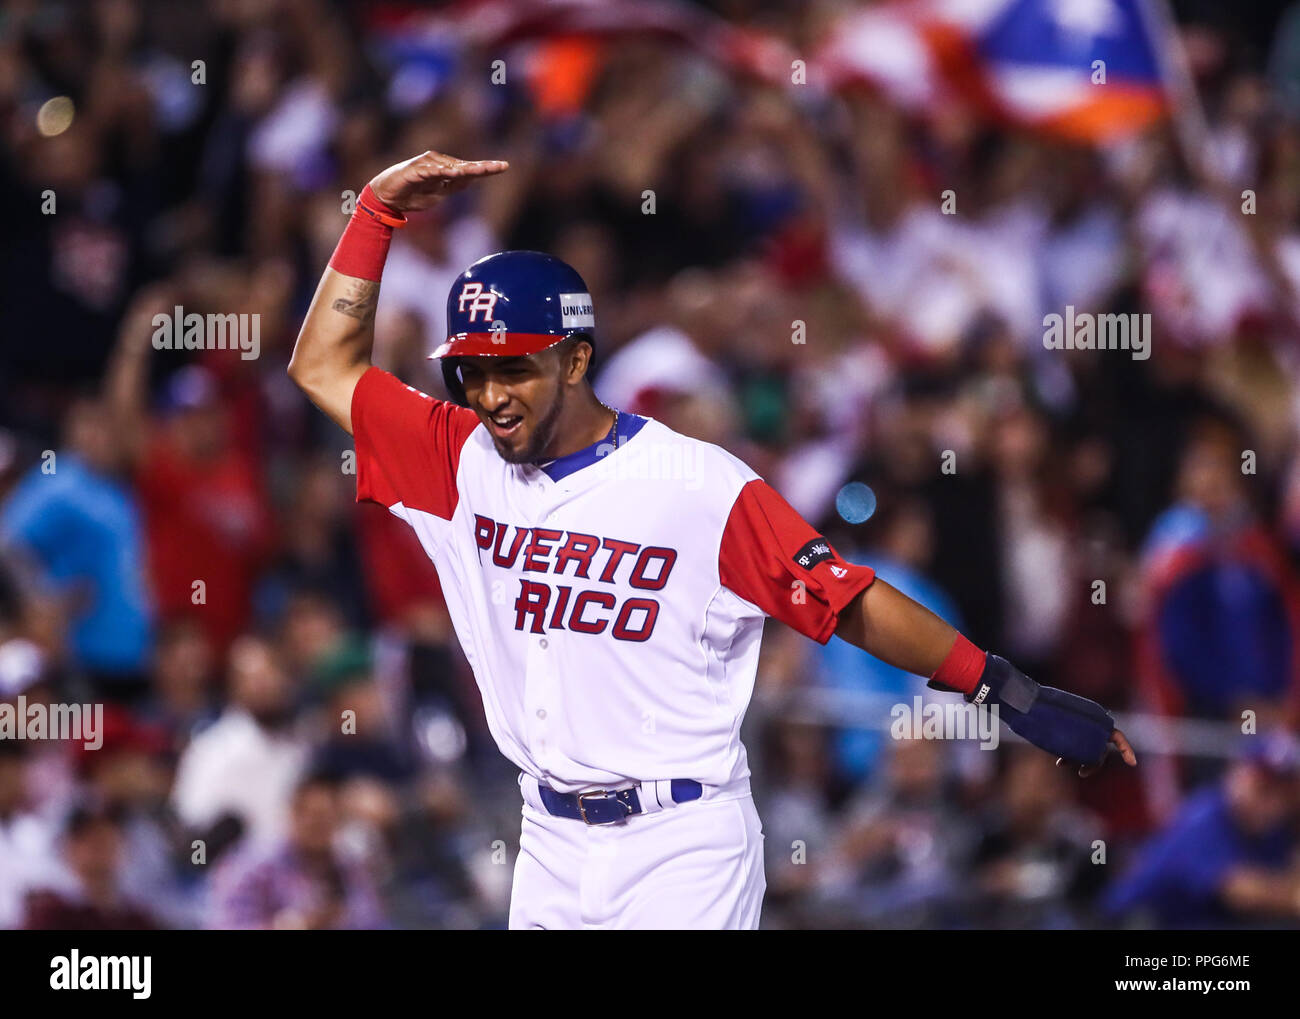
{"x": 521, "y": 400}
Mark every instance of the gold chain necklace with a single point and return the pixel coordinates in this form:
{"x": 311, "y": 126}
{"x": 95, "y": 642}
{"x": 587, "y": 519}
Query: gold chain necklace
{"x": 615, "y": 413}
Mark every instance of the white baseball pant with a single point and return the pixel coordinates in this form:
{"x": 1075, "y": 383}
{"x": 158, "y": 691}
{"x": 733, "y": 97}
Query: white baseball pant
{"x": 693, "y": 866}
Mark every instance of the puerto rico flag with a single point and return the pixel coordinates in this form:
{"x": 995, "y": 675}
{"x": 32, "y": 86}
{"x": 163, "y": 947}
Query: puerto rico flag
{"x": 1085, "y": 70}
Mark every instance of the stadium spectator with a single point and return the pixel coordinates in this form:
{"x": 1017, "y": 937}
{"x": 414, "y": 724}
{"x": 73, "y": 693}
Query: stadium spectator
{"x": 27, "y": 839}
{"x": 76, "y": 521}
{"x": 185, "y": 695}
{"x": 207, "y": 521}
{"x": 303, "y": 882}
{"x": 1228, "y": 857}
{"x": 130, "y": 772}
{"x": 87, "y": 895}
{"x": 901, "y": 558}
{"x": 897, "y": 858}
{"x": 245, "y": 765}
{"x": 1031, "y": 863}
{"x": 1222, "y": 634}
{"x": 360, "y": 739}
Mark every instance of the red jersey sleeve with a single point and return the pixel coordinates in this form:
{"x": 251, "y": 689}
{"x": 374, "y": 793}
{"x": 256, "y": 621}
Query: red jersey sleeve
{"x": 772, "y": 557}
{"x": 408, "y": 444}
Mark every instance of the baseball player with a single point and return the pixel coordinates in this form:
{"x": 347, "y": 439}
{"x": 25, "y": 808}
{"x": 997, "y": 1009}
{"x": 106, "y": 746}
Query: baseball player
{"x": 608, "y": 580}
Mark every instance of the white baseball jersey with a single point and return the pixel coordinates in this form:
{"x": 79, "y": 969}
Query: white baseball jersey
{"x": 612, "y": 617}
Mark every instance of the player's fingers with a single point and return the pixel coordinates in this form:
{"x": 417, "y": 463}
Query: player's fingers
{"x": 439, "y": 158}
{"x": 434, "y": 164}
{"x": 429, "y": 171}
{"x": 1124, "y": 747}
{"x": 440, "y": 181}
{"x": 483, "y": 167}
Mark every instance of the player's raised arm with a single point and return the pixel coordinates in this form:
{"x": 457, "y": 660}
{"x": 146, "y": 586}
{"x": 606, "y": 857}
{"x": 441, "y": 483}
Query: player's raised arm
{"x": 899, "y": 631}
{"x": 338, "y": 333}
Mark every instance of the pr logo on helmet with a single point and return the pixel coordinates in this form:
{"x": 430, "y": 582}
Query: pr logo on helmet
{"x": 478, "y": 300}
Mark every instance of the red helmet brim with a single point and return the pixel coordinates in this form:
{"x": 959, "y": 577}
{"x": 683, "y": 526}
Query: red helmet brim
{"x": 495, "y": 344}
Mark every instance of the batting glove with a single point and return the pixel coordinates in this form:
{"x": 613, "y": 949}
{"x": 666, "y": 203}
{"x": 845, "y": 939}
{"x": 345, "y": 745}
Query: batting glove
{"x": 1063, "y": 724}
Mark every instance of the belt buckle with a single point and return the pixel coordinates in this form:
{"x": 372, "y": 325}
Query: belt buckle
{"x": 605, "y": 794}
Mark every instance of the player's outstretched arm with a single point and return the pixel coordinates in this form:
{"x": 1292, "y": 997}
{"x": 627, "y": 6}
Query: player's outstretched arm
{"x": 338, "y": 333}
{"x": 891, "y": 626}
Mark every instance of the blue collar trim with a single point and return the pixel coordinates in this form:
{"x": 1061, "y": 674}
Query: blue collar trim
{"x": 562, "y": 467}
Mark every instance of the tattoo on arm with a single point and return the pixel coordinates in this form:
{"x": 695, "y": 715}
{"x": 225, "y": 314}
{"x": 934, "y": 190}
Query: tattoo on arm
{"x": 360, "y": 302}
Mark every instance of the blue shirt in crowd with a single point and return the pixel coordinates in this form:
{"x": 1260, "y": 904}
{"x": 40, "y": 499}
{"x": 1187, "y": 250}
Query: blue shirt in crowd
{"x": 1180, "y": 871}
{"x": 846, "y": 666}
{"x": 83, "y": 529}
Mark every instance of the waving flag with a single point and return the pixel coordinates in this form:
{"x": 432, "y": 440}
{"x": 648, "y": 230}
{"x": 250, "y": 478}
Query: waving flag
{"x": 1087, "y": 70}
{"x": 424, "y": 43}
{"x": 890, "y": 48}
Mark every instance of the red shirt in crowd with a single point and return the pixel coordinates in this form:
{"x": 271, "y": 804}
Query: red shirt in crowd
{"x": 206, "y": 521}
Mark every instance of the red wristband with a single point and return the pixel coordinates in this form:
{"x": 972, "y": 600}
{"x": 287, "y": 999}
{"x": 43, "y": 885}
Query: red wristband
{"x": 962, "y": 669}
{"x": 370, "y": 204}
{"x": 363, "y": 248}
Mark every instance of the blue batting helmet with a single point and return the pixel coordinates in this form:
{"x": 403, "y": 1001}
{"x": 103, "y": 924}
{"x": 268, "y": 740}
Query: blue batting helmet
{"x": 511, "y": 304}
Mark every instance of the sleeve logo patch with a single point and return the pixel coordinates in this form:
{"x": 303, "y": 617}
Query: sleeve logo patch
{"x": 816, "y": 551}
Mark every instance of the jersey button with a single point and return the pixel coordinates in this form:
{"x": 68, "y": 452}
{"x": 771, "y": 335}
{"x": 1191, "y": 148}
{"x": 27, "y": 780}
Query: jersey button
{"x": 544, "y": 643}
{"x": 541, "y": 712}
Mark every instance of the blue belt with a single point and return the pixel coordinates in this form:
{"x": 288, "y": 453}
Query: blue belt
{"x": 605, "y": 806}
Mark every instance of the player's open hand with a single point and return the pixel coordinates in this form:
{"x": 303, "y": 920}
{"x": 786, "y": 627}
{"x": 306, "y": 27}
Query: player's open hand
{"x": 423, "y": 181}
{"x": 1118, "y": 744}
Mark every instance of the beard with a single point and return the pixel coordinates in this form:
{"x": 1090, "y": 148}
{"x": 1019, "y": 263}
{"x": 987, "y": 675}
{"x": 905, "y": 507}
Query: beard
{"x": 541, "y": 439}
{"x": 274, "y": 718}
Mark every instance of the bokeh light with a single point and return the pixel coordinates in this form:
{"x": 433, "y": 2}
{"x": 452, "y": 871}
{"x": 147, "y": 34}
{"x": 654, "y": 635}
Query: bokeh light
{"x": 55, "y": 116}
{"x": 855, "y": 502}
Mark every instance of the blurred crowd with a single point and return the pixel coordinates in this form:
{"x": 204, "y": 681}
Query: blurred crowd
{"x": 292, "y": 737}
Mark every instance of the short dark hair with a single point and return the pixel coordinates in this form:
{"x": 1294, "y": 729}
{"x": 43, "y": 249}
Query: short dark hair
{"x": 90, "y": 812}
{"x": 320, "y": 775}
